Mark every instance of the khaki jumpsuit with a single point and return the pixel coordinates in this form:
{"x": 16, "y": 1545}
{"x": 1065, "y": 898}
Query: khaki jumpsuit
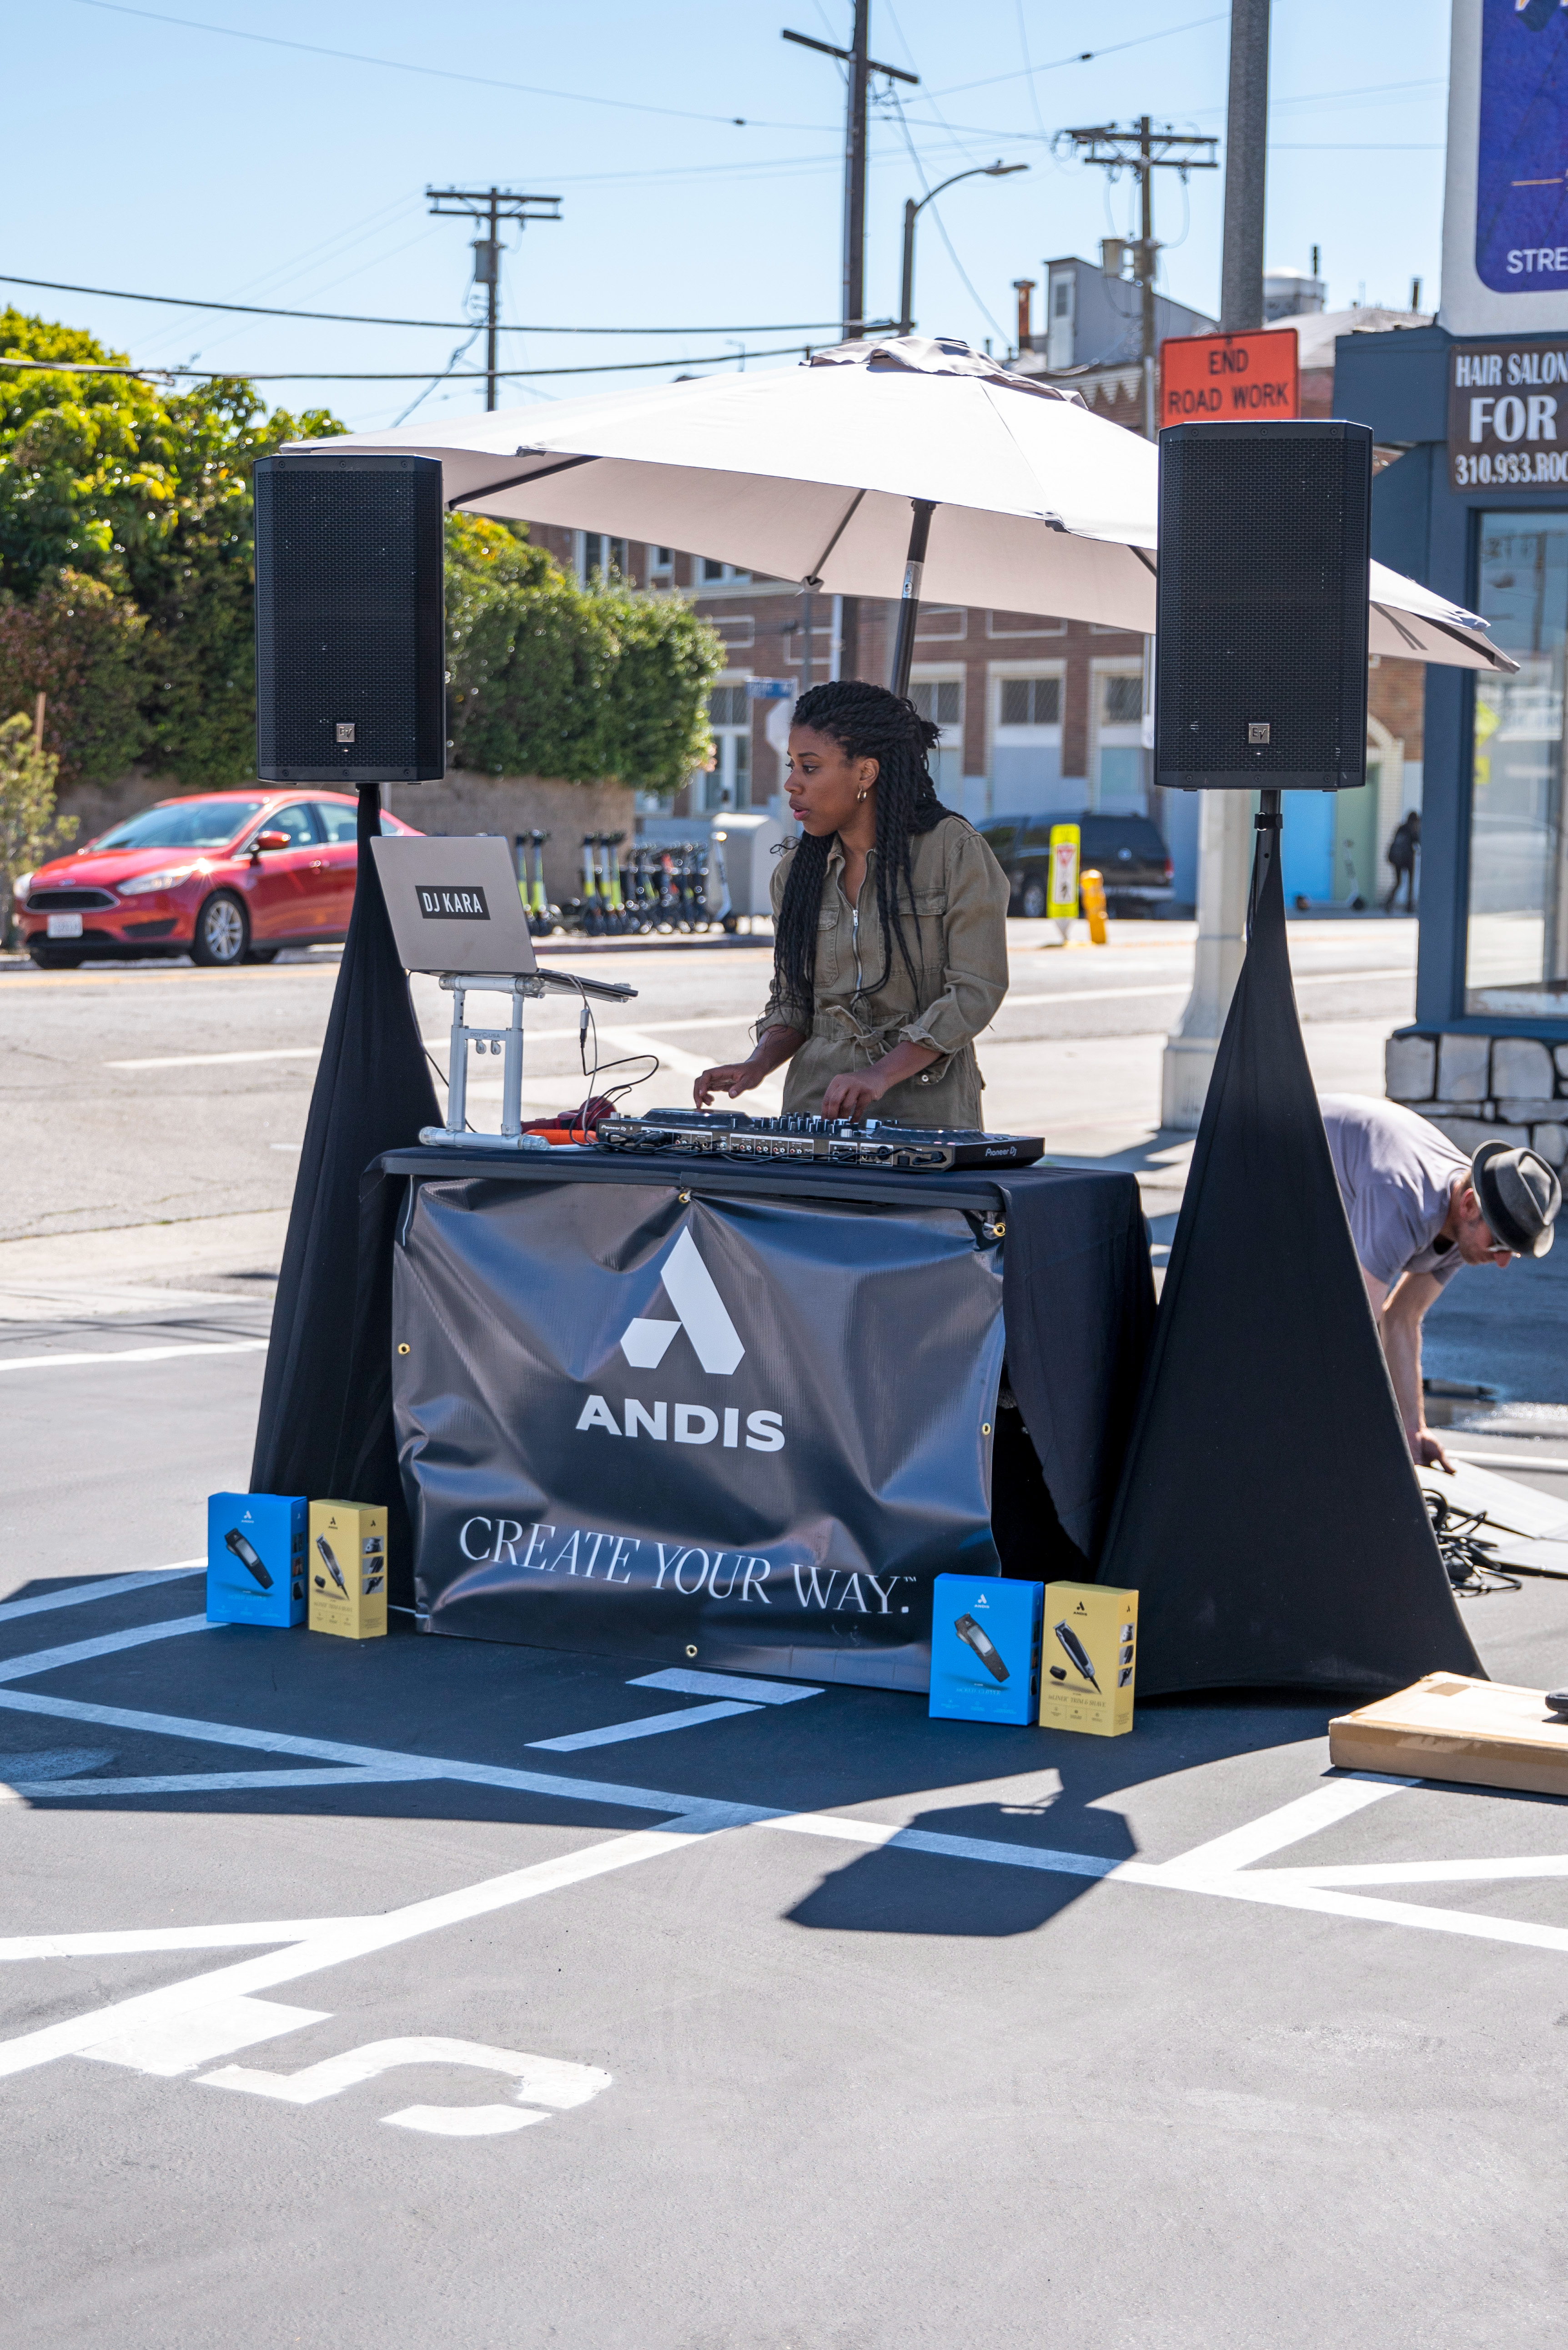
{"x": 958, "y": 944}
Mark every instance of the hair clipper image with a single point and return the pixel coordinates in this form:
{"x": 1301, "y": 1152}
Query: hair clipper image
{"x": 371, "y": 1583}
{"x": 972, "y": 1635}
{"x": 1123, "y": 1677}
{"x": 248, "y": 1557}
{"x": 330, "y": 1564}
{"x": 1077, "y": 1656}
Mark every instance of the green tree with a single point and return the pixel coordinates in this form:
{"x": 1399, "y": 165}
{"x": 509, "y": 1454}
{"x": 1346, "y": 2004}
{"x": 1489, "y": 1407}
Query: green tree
{"x": 149, "y": 494}
{"x": 551, "y": 679}
{"x": 79, "y": 645}
{"x": 28, "y": 830}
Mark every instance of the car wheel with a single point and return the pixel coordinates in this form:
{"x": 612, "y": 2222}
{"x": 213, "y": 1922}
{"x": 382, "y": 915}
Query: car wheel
{"x": 58, "y": 957}
{"x": 223, "y": 933}
{"x": 262, "y": 954}
{"x": 1032, "y": 904}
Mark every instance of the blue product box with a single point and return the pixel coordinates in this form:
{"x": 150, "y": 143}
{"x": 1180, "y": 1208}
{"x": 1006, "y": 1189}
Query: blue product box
{"x": 985, "y": 1648}
{"x": 256, "y": 1558}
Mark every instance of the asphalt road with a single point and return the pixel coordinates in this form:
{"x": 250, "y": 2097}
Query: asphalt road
{"x": 821, "y": 2026}
{"x": 816, "y": 2026}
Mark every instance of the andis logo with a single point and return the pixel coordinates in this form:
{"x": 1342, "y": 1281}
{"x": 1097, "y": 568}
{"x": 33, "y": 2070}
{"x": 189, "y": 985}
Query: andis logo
{"x": 701, "y": 1313}
{"x": 465, "y": 904}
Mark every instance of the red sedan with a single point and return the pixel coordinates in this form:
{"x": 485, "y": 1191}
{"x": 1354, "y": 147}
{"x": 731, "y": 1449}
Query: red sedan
{"x": 226, "y": 879}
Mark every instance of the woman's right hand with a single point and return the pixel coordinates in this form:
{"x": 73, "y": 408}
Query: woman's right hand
{"x": 731, "y": 1077}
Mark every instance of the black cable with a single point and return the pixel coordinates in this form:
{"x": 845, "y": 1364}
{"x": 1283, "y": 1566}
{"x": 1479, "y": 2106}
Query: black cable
{"x": 1472, "y": 1569}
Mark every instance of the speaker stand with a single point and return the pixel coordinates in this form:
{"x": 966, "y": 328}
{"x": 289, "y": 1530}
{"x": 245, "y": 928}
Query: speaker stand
{"x": 1268, "y": 825}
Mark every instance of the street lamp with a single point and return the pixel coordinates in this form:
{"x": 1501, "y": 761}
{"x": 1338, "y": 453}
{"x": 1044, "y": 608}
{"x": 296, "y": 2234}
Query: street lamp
{"x": 911, "y": 213}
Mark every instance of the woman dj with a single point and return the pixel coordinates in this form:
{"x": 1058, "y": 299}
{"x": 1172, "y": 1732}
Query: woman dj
{"x": 889, "y": 919}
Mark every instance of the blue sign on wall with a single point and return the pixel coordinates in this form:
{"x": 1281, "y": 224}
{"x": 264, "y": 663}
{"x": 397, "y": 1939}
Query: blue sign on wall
{"x": 1522, "y": 178}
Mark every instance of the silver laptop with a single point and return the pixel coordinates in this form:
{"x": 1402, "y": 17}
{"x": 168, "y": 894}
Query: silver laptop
{"x": 454, "y": 904}
{"x": 456, "y": 908}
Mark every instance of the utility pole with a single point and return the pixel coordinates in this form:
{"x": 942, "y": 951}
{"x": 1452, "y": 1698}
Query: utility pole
{"x": 1143, "y": 150}
{"x": 862, "y": 66}
{"x": 1225, "y": 829}
{"x": 488, "y": 207}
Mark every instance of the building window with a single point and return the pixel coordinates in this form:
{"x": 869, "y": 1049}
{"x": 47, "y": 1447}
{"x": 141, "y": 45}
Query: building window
{"x": 1031, "y": 702}
{"x": 1116, "y": 761}
{"x": 711, "y": 574}
{"x": 1026, "y": 743}
{"x": 1517, "y": 942}
{"x": 661, "y": 563}
{"x": 599, "y": 557}
{"x": 728, "y": 783}
{"x": 940, "y": 699}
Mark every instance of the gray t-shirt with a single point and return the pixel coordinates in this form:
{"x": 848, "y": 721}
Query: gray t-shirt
{"x": 1396, "y": 1174}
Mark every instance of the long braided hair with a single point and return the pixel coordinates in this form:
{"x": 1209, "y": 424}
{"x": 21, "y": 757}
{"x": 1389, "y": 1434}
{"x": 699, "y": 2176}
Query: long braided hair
{"x": 868, "y": 722}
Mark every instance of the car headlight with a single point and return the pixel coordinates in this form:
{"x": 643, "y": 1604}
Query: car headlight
{"x": 20, "y": 886}
{"x": 144, "y": 882}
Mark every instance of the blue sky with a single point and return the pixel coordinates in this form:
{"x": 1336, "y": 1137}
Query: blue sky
{"x": 161, "y": 157}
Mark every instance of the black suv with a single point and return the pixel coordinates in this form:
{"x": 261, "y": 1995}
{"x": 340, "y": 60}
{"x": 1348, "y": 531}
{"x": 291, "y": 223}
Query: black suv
{"x": 1127, "y": 851}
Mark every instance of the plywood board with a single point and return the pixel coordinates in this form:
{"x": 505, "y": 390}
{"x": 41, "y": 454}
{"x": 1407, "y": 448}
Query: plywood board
{"x": 1519, "y": 1509}
{"x": 1480, "y": 1734}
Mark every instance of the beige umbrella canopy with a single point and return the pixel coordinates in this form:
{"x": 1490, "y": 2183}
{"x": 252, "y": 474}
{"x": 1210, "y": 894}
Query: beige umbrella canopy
{"x": 1002, "y": 491}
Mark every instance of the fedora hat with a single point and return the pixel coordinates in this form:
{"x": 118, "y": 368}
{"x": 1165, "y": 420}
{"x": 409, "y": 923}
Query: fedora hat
{"x": 1520, "y": 1196}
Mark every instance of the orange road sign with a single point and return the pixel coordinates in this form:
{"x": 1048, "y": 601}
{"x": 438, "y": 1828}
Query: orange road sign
{"x": 1229, "y": 378}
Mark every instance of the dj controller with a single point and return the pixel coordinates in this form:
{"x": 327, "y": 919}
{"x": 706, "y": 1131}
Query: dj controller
{"x": 831, "y": 1141}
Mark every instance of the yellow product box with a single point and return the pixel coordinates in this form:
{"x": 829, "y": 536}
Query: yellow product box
{"x": 1087, "y": 1656}
{"x": 347, "y": 1564}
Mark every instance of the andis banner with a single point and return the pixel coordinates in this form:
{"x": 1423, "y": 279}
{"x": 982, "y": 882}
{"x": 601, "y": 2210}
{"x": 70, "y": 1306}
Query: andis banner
{"x": 744, "y": 1432}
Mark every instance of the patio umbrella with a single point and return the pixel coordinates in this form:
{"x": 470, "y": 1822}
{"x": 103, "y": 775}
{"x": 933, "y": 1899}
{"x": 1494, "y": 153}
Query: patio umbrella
{"x": 900, "y": 469}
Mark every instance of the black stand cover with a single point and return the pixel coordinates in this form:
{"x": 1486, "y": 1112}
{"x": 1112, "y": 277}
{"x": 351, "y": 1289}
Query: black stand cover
{"x": 373, "y": 1093}
{"x": 1268, "y": 1514}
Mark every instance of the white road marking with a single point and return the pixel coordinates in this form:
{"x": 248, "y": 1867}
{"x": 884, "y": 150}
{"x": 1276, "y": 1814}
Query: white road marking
{"x": 132, "y": 1355}
{"x": 1504, "y": 1459}
{"x": 464, "y": 2121}
{"x": 891, "y": 1838}
{"x": 647, "y": 1725}
{"x": 357, "y": 1939}
{"x": 178, "y": 2042}
{"x": 218, "y": 1060}
{"x": 205, "y": 1782}
{"x": 137, "y": 1939}
{"x": 1336, "y": 1800}
{"x": 1181, "y": 986}
{"x": 51, "y": 1661}
{"x": 135, "y": 1579}
{"x": 541, "y": 2080}
{"x": 693, "y": 1684}
{"x": 1423, "y": 1872}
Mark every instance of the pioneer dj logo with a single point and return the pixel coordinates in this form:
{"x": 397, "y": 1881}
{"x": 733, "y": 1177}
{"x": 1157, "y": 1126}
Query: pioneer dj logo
{"x": 461, "y": 904}
{"x": 700, "y": 1312}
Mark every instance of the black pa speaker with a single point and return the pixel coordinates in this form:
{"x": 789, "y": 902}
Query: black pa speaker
{"x": 1261, "y": 642}
{"x": 351, "y": 620}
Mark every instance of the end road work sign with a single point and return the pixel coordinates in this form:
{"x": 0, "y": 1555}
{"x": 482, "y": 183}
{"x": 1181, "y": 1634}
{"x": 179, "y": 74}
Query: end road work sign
{"x": 1229, "y": 378}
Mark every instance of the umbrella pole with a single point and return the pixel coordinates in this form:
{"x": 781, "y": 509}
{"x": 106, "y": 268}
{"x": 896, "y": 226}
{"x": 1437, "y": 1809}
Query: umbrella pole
{"x": 910, "y": 602}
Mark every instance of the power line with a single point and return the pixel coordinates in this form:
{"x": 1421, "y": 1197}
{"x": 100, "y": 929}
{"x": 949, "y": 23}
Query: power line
{"x": 356, "y": 319}
{"x": 435, "y": 73}
{"x": 464, "y": 375}
{"x": 1079, "y": 57}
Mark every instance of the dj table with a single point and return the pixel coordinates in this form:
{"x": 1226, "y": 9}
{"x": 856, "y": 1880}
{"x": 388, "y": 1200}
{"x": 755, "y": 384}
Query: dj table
{"x": 721, "y": 1413}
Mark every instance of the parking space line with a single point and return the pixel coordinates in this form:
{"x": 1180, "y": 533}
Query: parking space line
{"x": 645, "y": 1726}
{"x": 686, "y": 1683}
{"x": 217, "y": 1060}
{"x": 139, "y": 1940}
{"x": 136, "y": 1579}
{"x": 206, "y": 1782}
{"x": 51, "y": 1661}
{"x": 1336, "y": 1800}
{"x": 132, "y": 1355}
{"x": 359, "y": 1938}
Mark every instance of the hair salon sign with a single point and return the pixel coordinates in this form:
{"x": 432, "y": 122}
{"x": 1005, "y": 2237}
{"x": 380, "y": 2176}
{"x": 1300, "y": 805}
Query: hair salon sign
{"x": 1508, "y": 415}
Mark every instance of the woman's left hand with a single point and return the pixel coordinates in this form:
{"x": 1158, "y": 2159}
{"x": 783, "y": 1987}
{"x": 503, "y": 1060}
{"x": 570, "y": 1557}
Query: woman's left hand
{"x": 853, "y": 1095}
